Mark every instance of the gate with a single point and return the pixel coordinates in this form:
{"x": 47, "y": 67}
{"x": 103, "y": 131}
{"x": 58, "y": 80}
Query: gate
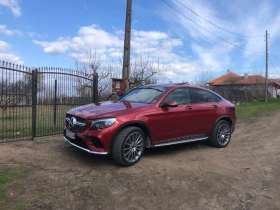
{"x": 15, "y": 102}
{"x": 34, "y": 102}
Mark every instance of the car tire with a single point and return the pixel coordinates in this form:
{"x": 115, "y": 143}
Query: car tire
{"x": 221, "y": 134}
{"x": 128, "y": 146}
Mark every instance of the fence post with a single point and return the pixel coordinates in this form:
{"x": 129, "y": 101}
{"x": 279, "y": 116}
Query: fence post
{"x": 55, "y": 101}
{"x": 95, "y": 87}
{"x": 34, "y": 101}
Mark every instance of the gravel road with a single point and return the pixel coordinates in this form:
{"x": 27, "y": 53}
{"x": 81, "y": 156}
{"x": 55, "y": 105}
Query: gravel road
{"x": 244, "y": 175}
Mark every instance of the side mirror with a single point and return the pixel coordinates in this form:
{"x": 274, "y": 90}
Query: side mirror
{"x": 169, "y": 103}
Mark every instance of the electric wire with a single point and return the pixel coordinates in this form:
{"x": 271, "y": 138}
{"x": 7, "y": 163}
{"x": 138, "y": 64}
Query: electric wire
{"x": 202, "y": 33}
{"x": 272, "y": 64}
{"x": 216, "y": 24}
{"x": 207, "y": 29}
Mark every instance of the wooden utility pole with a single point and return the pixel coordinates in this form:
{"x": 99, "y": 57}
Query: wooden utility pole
{"x": 266, "y": 65}
{"x": 126, "y": 51}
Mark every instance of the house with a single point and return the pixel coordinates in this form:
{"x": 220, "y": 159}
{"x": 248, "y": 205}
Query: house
{"x": 278, "y": 90}
{"x": 243, "y": 88}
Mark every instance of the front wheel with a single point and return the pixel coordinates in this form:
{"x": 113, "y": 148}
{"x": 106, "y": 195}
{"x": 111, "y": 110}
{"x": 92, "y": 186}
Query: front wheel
{"x": 221, "y": 134}
{"x": 128, "y": 146}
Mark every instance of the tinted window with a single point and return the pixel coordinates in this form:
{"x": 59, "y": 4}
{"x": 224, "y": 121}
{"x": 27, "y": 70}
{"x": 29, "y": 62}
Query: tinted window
{"x": 202, "y": 96}
{"x": 180, "y": 95}
{"x": 216, "y": 98}
{"x": 147, "y": 95}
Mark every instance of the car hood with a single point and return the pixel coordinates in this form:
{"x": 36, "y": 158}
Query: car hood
{"x": 106, "y": 109}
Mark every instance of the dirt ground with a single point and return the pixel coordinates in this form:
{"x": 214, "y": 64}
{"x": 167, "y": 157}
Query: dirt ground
{"x": 245, "y": 175}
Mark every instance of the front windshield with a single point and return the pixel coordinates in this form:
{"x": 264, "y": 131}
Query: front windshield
{"x": 146, "y": 95}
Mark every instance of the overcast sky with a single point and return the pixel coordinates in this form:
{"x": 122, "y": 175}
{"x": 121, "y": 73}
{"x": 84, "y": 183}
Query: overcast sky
{"x": 187, "y": 36}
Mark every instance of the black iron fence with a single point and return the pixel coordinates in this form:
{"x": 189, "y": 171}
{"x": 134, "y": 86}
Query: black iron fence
{"x": 33, "y": 102}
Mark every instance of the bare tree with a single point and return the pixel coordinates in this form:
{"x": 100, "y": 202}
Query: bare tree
{"x": 10, "y": 95}
{"x": 203, "y": 78}
{"x": 14, "y": 93}
{"x": 145, "y": 70}
{"x": 26, "y": 81}
{"x": 88, "y": 67}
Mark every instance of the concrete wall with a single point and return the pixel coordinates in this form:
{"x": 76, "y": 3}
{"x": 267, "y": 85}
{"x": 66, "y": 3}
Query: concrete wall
{"x": 272, "y": 91}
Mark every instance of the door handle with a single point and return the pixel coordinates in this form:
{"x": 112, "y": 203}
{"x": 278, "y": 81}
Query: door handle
{"x": 215, "y": 106}
{"x": 188, "y": 108}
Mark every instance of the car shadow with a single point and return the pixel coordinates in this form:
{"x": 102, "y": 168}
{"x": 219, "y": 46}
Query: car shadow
{"x": 176, "y": 149}
{"x": 101, "y": 161}
{"x": 92, "y": 160}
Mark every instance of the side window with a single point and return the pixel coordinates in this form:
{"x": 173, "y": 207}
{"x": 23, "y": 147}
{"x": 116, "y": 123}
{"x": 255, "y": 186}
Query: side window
{"x": 180, "y": 95}
{"x": 202, "y": 96}
{"x": 216, "y": 98}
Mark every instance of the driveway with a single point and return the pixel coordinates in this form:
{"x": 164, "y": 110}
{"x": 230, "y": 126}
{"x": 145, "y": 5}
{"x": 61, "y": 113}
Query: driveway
{"x": 244, "y": 175}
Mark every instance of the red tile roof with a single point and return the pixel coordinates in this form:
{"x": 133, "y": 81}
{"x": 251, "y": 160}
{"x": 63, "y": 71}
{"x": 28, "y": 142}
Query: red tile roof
{"x": 232, "y": 78}
{"x": 223, "y": 78}
{"x": 277, "y": 81}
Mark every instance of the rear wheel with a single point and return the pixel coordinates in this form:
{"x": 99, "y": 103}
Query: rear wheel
{"x": 221, "y": 134}
{"x": 128, "y": 146}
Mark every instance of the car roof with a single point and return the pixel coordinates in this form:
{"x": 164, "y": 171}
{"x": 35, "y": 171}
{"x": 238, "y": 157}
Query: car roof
{"x": 171, "y": 85}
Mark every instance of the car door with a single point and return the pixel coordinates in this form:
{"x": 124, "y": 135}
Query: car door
{"x": 205, "y": 107}
{"x": 174, "y": 123}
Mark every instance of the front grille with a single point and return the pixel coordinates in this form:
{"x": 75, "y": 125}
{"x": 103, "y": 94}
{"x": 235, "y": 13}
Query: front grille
{"x": 77, "y": 127}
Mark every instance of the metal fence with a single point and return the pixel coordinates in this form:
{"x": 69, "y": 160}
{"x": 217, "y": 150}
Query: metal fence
{"x": 33, "y": 102}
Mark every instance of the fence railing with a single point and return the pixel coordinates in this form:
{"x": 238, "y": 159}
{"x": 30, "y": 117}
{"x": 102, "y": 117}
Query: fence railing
{"x": 33, "y": 102}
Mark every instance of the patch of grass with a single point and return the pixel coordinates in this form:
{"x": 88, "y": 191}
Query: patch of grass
{"x": 6, "y": 118}
{"x": 73, "y": 190}
{"x": 16, "y": 123}
{"x": 20, "y": 206}
{"x": 16, "y": 134}
{"x": 9, "y": 174}
{"x": 254, "y": 109}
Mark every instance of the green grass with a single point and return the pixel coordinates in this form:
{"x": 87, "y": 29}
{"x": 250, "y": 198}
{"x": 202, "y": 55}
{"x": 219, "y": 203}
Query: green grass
{"x": 7, "y": 175}
{"x": 16, "y": 123}
{"x": 20, "y": 206}
{"x": 254, "y": 109}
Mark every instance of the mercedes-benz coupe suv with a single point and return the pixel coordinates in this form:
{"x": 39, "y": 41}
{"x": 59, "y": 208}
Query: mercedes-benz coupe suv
{"x": 150, "y": 116}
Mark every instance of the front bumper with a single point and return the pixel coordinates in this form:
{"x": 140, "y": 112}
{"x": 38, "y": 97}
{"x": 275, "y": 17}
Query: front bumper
{"x": 85, "y": 149}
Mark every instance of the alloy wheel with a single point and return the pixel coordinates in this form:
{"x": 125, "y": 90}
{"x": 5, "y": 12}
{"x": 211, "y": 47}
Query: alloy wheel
{"x": 223, "y": 134}
{"x": 133, "y": 147}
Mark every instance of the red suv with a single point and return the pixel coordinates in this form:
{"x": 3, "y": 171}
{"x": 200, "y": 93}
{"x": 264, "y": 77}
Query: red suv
{"x": 150, "y": 116}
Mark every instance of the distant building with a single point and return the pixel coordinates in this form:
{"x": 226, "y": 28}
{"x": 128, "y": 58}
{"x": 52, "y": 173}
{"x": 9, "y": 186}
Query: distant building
{"x": 243, "y": 88}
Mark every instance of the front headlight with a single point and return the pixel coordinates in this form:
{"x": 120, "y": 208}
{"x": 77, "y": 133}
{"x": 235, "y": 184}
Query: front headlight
{"x": 102, "y": 123}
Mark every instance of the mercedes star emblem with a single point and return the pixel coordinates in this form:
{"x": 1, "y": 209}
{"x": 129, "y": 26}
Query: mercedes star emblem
{"x": 72, "y": 122}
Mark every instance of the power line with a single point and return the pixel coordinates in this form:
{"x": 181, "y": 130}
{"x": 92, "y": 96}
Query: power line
{"x": 203, "y": 34}
{"x": 207, "y": 29}
{"x": 272, "y": 64}
{"x": 216, "y": 24}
